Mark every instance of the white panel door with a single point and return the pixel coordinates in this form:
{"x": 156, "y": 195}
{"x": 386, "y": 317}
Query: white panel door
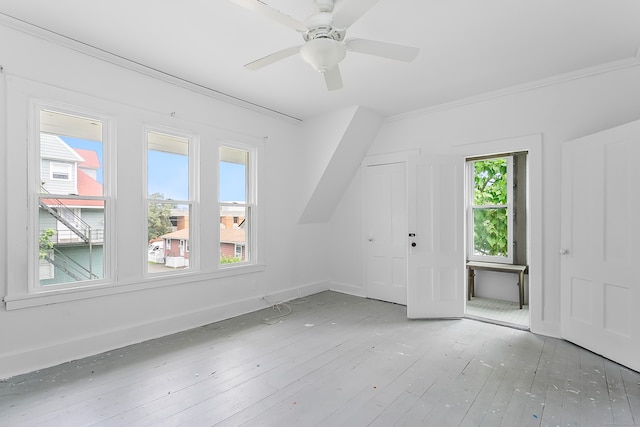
{"x": 436, "y": 282}
{"x": 386, "y": 232}
{"x": 600, "y": 289}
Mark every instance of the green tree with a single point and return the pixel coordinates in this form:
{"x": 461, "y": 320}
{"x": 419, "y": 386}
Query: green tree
{"x": 46, "y": 245}
{"x": 158, "y": 217}
{"x": 490, "y": 224}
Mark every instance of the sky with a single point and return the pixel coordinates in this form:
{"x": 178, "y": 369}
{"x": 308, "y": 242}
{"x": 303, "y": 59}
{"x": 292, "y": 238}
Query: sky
{"x": 87, "y": 145}
{"x": 168, "y": 173}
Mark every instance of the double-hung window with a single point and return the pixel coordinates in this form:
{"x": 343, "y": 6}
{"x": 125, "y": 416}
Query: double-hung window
{"x": 169, "y": 199}
{"x": 490, "y": 214}
{"x": 72, "y": 198}
{"x": 237, "y": 204}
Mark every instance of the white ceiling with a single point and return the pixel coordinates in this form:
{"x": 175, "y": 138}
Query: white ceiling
{"x": 467, "y": 47}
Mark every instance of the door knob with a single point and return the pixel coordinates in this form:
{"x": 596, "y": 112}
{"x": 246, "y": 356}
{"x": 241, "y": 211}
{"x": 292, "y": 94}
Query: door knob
{"x": 414, "y": 244}
{"x": 564, "y": 252}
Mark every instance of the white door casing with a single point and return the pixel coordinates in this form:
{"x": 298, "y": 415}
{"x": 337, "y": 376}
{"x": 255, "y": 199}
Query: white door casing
{"x": 436, "y": 273}
{"x": 385, "y": 232}
{"x": 600, "y": 210}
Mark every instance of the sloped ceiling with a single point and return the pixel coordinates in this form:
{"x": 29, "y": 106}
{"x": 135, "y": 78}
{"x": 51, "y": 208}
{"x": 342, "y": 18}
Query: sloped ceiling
{"x": 467, "y": 47}
{"x": 336, "y": 144}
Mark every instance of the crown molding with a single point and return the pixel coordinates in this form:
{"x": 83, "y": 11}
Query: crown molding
{"x": 525, "y": 87}
{"x": 87, "y": 49}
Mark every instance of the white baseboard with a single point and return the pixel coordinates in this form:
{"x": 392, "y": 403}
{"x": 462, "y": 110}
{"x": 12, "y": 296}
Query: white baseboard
{"x": 41, "y": 357}
{"x": 348, "y": 289}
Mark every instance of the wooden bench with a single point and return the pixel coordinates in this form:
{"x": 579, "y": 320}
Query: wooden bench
{"x": 493, "y": 266}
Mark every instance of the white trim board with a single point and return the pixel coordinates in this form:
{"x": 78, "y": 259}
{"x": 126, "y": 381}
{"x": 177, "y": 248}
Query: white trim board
{"x": 525, "y": 87}
{"x": 129, "y": 64}
{"x": 533, "y": 145}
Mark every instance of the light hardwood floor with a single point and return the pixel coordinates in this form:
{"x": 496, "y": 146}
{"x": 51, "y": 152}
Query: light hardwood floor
{"x": 336, "y": 360}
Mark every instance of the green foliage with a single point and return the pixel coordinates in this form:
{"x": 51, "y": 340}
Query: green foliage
{"x": 46, "y": 245}
{"x": 229, "y": 259}
{"x": 490, "y": 178}
{"x": 490, "y": 226}
{"x": 158, "y": 217}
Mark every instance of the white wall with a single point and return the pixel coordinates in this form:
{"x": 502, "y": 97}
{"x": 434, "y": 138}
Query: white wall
{"x": 502, "y": 286}
{"x": 45, "y": 335}
{"x": 560, "y": 112}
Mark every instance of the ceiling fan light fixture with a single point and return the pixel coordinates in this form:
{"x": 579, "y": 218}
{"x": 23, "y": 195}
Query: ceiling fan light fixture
{"x": 323, "y": 53}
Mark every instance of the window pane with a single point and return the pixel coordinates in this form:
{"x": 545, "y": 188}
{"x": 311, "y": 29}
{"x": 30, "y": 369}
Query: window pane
{"x": 168, "y": 231}
{"x": 490, "y": 182}
{"x": 169, "y": 234}
{"x": 490, "y": 232}
{"x": 71, "y": 239}
{"x": 167, "y": 166}
{"x": 233, "y": 175}
{"x": 60, "y": 171}
{"x": 70, "y": 226}
{"x": 233, "y": 236}
{"x": 71, "y": 158}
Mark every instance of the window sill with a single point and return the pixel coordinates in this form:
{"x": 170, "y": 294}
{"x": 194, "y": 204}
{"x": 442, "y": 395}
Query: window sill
{"x": 19, "y": 301}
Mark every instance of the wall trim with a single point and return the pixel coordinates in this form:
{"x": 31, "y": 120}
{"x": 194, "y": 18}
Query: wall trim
{"x": 347, "y": 288}
{"x": 525, "y": 87}
{"x": 535, "y": 214}
{"x": 87, "y": 49}
{"x": 21, "y": 362}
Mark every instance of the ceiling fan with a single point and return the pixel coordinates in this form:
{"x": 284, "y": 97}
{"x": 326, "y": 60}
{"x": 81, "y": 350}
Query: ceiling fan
{"x": 324, "y": 35}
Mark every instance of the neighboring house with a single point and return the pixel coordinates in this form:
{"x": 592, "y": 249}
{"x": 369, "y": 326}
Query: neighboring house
{"x": 232, "y": 243}
{"x": 176, "y": 248}
{"x": 78, "y": 224}
{"x": 232, "y": 237}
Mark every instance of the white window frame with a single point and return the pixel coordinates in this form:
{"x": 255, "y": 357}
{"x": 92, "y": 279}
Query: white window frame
{"x": 35, "y": 163}
{"x": 191, "y": 202}
{"x": 21, "y": 96}
{"x": 471, "y": 207}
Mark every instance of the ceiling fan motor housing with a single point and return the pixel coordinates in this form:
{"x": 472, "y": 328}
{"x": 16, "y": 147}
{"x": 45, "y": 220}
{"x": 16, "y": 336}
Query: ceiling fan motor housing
{"x": 320, "y": 25}
{"x": 323, "y": 53}
{"x": 323, "y": 49}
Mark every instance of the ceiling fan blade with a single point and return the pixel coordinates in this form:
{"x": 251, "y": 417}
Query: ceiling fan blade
{"x": 351, "y": 11}
{"x": 269, "y": 12}
{"x": 333, "y": 78}
{"x": 270, "y": 59}
{"x": 386, "y": 50}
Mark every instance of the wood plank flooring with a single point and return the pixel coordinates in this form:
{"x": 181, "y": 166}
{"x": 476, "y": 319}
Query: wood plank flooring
{"x": 335, "y": 360}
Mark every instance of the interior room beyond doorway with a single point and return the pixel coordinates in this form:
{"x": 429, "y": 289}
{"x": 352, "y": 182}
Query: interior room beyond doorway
{"x": 497, "y": 236}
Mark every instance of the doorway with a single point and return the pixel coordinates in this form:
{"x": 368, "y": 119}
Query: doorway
{"x": 496, "y": 235}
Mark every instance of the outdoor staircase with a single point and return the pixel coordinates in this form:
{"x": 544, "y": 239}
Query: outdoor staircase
{"x": 69, "y": 266}
{"x": 68, "y": 217}
{"x": 56, "y": 208}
